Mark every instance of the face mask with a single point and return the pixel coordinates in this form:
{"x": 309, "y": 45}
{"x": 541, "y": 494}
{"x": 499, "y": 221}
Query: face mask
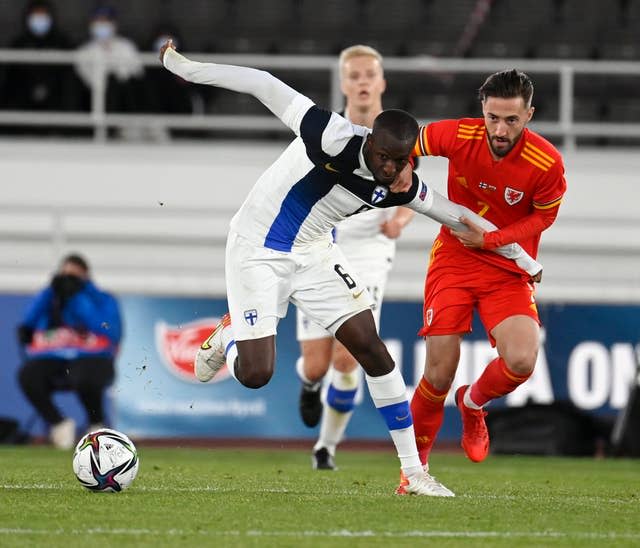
{"x": 161, "y": 40}
{"x": 102, "y": 30}
{"x": 39, "y": 23}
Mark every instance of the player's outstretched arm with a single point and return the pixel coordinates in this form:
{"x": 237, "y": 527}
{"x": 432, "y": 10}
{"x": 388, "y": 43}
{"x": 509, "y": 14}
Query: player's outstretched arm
{"x": 439, "y": 208}
{"x": 285, "y": 102}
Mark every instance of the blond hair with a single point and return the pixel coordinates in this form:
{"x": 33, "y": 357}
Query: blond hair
{"x": 359, "y": 50}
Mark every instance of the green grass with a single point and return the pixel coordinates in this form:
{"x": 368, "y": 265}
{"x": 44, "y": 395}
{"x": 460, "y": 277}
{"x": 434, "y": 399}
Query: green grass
{"x": 198, "y": 497}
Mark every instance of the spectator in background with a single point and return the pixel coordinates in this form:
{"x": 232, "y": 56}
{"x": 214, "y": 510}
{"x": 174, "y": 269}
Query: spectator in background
{"x": 37, "y": 86}
{"x": 124, "y": 69}
{"x": 70, "y": 335}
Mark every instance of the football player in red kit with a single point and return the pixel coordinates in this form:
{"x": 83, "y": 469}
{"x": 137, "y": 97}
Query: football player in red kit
{"x": 515, "y": 178}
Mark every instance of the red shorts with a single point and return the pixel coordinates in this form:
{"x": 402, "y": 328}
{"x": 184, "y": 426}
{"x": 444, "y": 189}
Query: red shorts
{"x": 457, "y": 282}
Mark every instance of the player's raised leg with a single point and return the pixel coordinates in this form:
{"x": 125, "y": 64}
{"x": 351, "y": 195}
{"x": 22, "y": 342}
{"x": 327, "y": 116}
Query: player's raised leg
{"x": 258, "y": 288}
{"x": 250, "y": 362}
{"x": 211, "y": 356}
{"x": 517, "y": 342}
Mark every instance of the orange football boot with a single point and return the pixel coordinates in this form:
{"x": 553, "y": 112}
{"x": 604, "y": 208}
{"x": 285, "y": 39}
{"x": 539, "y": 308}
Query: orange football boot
{"x": 475, "y": 436}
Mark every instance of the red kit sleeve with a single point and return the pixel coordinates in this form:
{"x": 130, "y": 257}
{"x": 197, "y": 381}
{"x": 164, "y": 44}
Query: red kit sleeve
{"x": 546, "y": 203}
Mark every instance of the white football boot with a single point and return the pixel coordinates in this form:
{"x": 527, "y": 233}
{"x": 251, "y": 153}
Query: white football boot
{"x": 424, "y": 484}
{"x": 210, "y": 357}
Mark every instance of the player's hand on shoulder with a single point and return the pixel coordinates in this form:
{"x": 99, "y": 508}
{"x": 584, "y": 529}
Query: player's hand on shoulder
{"x": 168, "y": 44}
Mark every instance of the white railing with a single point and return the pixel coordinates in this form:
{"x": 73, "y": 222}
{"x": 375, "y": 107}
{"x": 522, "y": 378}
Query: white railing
{"x": 566, "y": 70}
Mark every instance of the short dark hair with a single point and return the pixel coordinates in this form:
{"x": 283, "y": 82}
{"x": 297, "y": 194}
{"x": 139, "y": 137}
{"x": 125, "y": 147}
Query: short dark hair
{"x": 507, "y": 84}
{"x": 77, "y": 260}
{"x": 398, "y": 123}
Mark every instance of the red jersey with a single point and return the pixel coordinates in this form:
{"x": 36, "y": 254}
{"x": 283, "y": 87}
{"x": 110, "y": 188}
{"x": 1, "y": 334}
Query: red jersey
{"x": 519, "y": 193}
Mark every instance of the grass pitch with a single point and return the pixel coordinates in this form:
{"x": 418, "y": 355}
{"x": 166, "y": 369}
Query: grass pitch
{"x": 199, "y": 497}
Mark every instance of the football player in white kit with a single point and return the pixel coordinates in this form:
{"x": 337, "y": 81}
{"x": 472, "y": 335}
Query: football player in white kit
{"x": 280, "y": 249}
{"x": 368, "y": 241}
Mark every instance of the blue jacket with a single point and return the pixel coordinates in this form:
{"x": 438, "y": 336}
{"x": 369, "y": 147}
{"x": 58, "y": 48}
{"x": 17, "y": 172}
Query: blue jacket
{"x": 91, "y": 325}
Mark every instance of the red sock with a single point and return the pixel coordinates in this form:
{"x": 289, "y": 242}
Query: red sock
{"x": 427, "y": 409}
{"x": 496, "y": 380}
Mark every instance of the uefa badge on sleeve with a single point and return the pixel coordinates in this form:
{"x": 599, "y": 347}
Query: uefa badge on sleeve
{"x": 423, "y": 192}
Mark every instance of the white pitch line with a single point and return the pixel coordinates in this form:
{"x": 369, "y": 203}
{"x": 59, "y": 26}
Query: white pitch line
{"x": 214, "y": 489}
{"x": 203, "y": 489}
{"x": 611, "y": 535}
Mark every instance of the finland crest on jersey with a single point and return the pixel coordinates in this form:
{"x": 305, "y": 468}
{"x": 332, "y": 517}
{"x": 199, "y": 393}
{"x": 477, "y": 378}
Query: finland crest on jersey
{"x": 379, "y": 194}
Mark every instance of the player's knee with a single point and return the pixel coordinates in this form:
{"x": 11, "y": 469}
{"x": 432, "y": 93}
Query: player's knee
{"x": 440, "y": 374}
{"x": 255, "y": 379}
{"x": 376, "y": 360}
{"x": 440, "y": 380}
{"x": 443, "y": 355}
{"x": 344, "y": 362}
{"x": 253, "y": 375}
{"x": 313, "y": 368}
{"x": 521, "y": 361}
{"x": 364, "y": 342}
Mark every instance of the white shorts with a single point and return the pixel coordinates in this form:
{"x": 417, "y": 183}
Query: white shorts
{"x": 373, "y": 263}
{"x": 261, "y": 282}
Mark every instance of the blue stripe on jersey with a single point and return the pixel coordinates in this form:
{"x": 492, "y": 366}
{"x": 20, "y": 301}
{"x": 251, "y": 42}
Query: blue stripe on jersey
{"x": 296, "y": 206}
{"x": 397, "y": 415}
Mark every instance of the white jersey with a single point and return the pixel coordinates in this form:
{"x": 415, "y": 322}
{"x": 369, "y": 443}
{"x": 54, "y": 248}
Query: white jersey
{"x": 365, "y": 228}
{"x": 318, "y": 181}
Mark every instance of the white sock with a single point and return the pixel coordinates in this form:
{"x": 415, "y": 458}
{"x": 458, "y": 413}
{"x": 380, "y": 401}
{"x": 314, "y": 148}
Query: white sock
{"x": 405, "y": 442}
{"x": 303, "y": 377}
{"x": 227, "y": 336}
{"x": 232, "y": 354}
{"x": 468, "y": 402}
{"x": 389, "y": 394}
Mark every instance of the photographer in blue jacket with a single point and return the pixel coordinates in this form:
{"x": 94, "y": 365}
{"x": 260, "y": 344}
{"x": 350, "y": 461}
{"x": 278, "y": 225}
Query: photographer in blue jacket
{"x": 70, "y": 336}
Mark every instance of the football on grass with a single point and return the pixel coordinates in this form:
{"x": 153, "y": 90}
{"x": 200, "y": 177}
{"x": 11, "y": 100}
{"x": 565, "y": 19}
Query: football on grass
{"x": 105, "y": 460}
